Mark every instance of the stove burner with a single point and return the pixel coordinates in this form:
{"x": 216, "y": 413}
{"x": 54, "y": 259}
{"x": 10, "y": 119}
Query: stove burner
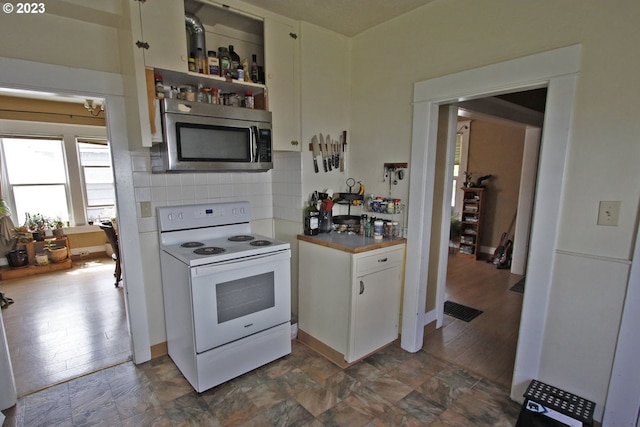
{"x": 192, "y": 244}
{"x": 209, "y": 250}
{"x": 240, "y": 238}
{"x": 260, "y": 243}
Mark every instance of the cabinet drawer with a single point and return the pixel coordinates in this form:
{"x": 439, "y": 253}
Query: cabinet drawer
{"x": 380, "y": 260}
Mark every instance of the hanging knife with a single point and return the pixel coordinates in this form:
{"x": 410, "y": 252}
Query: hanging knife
{"x": 323, "y": 148}
{"x": 339, "y": 159}
{"x": 316, "y": 152}
{"x": 343, "y": 143}
{"x": 329, "y": 152}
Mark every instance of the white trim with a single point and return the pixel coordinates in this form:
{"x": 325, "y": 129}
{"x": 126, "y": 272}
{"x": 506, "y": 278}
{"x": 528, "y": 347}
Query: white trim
{"x": 557, "y": 69}
{"x": 622, "y": 407}
{"x": 60, "y": 80}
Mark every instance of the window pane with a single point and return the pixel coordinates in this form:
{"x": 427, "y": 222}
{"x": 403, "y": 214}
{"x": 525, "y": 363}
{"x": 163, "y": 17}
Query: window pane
{"x": 101, "y": 213}
{"x": 48, "y": 200}
{"x": 99, "y": 175}
{"x": 94, "y": 154}
{"x": 100, "y": 195}
{"x": 35, "y": 161}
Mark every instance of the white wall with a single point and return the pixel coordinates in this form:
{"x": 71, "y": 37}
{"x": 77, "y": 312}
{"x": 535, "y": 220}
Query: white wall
{"x": 325, "y": 90}
{"x": 446, "y": 37}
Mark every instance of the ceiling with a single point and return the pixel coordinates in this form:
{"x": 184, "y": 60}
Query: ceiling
{"x": 347, "y": 17}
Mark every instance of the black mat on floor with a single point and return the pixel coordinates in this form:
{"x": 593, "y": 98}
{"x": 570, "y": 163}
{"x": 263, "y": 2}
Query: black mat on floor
{"x": 518, "y": 287}
{"x": 460, "y": 311}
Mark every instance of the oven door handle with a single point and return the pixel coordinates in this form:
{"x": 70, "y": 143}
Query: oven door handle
{"x": 245, "y": 261}
{"x": 253, "y": 140}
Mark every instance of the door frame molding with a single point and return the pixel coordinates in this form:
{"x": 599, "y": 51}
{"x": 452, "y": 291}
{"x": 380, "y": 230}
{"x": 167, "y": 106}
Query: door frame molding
{"x": 67, "y": 81}
{"x": 558, "y": 71}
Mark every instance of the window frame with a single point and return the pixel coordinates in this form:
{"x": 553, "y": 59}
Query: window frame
{"x": 83, "y": 182}
{"x": 70, "y": 133}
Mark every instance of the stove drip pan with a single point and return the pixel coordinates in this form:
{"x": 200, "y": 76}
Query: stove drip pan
{"x": 192, "y": 244}
{"x": 209, "y": 250}
{"x": 240, "y": 238}
{"x": 260, "y": 243}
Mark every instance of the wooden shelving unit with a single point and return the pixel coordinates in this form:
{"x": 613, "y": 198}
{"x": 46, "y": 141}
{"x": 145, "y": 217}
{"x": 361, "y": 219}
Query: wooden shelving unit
{"x": 31, "y": 268}
{"x": 472, "y": 218}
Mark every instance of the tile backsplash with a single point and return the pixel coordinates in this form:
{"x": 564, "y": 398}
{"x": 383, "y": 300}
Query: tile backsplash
{"x": 273, "y": 194}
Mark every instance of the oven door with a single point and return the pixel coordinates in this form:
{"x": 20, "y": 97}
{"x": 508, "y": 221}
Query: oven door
{"x": 237, "y": 298}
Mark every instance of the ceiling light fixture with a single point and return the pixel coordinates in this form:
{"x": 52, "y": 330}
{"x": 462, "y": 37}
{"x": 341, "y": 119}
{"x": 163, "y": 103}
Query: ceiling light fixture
{"x": 93, "y": 108}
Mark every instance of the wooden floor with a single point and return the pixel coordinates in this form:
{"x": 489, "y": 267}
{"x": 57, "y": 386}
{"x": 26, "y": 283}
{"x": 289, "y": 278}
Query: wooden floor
{"x": 487, "y": 344}
{"x": 65, "y": 324}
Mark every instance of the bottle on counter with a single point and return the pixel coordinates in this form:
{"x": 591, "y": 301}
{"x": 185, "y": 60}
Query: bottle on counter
{"x": 378, "y": 229}
{"x": 311, "y": 220}
{"x": 235, "y": 62}
{"x": 213, "y": 63}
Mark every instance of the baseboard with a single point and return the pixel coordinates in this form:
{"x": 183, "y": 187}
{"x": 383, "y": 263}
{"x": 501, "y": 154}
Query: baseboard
{"x": 159, "y": 350}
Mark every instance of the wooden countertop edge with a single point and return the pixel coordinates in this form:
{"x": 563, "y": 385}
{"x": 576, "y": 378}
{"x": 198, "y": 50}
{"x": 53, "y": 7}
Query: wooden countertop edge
{"x": 350, "y": 249}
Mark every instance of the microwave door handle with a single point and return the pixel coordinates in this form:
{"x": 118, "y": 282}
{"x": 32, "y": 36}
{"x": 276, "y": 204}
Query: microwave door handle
{"x": 254, "y": 143}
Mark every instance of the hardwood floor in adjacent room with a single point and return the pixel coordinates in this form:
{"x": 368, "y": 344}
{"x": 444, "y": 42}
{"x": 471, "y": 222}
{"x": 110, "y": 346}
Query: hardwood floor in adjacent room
{"x": 65, "y": 324}
{"x": 487, "y": 344}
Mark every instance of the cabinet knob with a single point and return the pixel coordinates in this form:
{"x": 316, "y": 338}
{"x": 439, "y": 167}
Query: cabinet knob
{"x": 143, "y": 45}
{"x": 361, "y": 287}
{"x": 383, "y": 259}
{"x": 294, "y": 143}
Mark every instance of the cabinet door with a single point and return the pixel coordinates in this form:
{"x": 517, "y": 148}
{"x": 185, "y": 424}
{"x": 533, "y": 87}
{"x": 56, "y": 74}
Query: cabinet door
{"x": 164, "y": 30}
{"x": 376, "y": 312}
{"x": 281, "y": 47}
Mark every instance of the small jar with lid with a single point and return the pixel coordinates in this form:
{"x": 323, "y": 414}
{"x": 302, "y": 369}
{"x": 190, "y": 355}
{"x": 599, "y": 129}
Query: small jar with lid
{"x": 249, "y": 100}
{"x": 215, "y": 96}
{"x": 190, "y": 94}
{"x": 378, "y": 229}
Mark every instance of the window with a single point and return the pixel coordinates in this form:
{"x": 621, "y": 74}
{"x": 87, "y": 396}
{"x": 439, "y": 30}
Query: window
{"x": 99, "y": 192}
{"x": 37, "y": 177}
{"x": 66, "y": 177}
{"x": 460, "y": 163}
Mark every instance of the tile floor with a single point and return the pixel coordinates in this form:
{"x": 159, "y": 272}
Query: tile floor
{"x": 390, "y": 388}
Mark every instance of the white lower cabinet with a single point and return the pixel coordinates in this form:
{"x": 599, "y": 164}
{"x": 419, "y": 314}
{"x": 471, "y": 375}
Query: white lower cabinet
{"x": 349, "y": 303}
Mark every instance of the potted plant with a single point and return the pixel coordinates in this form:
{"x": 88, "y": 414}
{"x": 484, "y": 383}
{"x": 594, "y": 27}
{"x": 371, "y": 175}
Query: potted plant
{"x": 36, "y": 224}
{"x": 56, "y": 225}
{"x": 55, "y": 254}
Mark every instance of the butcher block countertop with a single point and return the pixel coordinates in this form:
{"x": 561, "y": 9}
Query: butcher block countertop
{"x": 351, "y": 243}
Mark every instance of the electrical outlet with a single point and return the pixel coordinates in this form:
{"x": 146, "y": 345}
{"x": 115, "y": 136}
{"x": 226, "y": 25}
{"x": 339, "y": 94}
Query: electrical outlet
{"x": 609, "y": 213}
{"x": 145, "y": 209}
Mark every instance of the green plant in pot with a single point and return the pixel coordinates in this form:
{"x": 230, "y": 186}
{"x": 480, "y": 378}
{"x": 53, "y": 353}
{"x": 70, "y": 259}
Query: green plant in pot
{"x": 36, "y": 224}
{"x": 56, "y": 225}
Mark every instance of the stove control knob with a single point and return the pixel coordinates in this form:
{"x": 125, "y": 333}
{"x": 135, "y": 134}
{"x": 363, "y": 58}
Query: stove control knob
{"x": 234, "y": 211}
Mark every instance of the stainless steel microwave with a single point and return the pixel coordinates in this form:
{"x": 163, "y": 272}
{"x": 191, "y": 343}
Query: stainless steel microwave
{"x": 200, "y": 137}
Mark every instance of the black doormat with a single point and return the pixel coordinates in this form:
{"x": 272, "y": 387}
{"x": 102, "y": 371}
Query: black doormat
{"x": 460, "y": 311}
{"x": 518, "y": 287}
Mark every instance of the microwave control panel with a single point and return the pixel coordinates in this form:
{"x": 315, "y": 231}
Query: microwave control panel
{"x": 264, "y": 146}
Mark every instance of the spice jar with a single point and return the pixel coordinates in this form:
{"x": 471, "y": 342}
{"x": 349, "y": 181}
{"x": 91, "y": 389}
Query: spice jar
{"x": 249, "y": 101}
{"x": 190, "y": 94}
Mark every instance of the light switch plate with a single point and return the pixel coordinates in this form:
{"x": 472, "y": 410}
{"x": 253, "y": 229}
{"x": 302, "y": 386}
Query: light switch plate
{"x": 145, "y": 209}
{"x": 609, "y": 213}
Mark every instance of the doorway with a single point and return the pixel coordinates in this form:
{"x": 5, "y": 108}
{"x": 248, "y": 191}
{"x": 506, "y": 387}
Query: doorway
{"x": 557, "y": 70}
{"x": 491, "y": 144}
{"x": 65, "y": 323}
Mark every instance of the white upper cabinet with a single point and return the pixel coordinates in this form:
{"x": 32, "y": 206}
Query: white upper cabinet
{"x": 281, "y": 53}
{"x": 164, "y": 40}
